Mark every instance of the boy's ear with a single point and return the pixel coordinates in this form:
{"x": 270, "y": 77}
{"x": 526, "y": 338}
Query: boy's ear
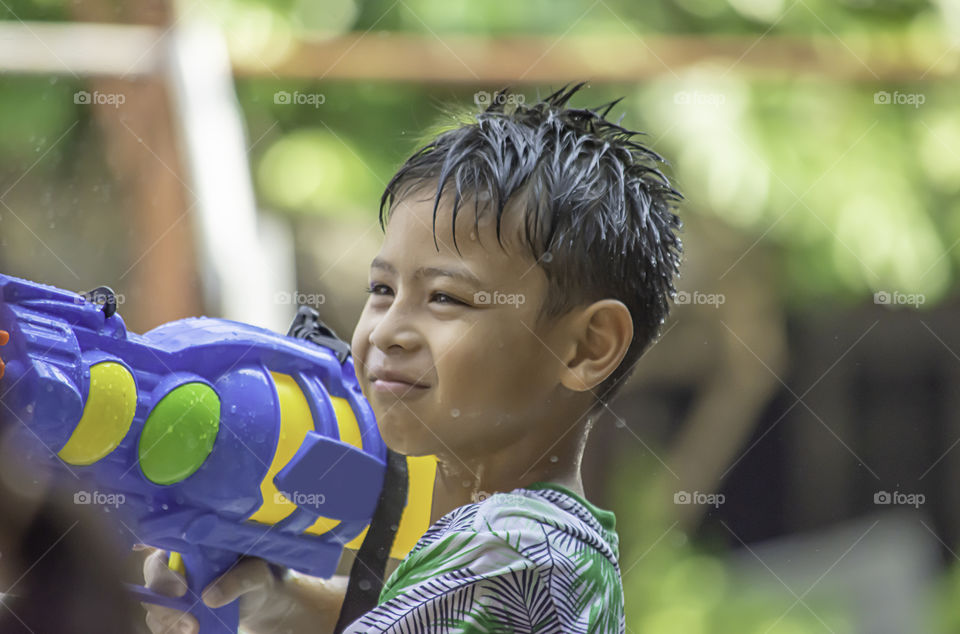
{"x": 601, "y": 335}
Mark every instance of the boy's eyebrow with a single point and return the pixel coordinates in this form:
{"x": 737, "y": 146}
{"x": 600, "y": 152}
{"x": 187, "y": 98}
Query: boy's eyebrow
{"x": 431, "y": 271}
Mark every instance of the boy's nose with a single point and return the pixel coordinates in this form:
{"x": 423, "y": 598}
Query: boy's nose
{"x": 392, "y": 332}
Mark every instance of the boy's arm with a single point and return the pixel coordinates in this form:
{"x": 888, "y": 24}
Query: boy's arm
{"x": 292, "y": 603}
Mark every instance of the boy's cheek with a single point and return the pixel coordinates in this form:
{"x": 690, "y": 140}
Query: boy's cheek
{"x": 404, "y": 433}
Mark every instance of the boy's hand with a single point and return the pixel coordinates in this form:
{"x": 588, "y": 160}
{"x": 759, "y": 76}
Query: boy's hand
{"x": 4, "y": 338}
{"x": 297, "y": 603}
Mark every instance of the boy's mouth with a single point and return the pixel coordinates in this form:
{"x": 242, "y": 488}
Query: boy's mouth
{"x": 398, "y": 388}
{"x": 383, "y": 380}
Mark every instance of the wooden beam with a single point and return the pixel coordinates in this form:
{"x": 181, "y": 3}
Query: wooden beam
{"x": 629, "y": 58}
{"x": 134, "y": 50}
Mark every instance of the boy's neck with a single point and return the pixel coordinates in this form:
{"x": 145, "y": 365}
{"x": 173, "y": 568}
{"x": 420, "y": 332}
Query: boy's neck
{"x": 450, "y": 493}
{"x": 460, "y": 482}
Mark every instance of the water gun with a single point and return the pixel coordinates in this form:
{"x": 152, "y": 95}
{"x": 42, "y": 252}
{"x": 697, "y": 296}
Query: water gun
{"x": 210, "y": 438}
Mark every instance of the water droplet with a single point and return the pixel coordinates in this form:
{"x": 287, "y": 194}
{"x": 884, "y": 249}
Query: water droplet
{"x": 554, "y": 458}
{"x": 455, "y": 412}
{"x": 364, "y": 584}
{"x": 164, "y": 507}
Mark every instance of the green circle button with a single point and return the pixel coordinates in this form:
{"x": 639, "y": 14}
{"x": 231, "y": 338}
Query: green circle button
{"x": 179, "y": 433}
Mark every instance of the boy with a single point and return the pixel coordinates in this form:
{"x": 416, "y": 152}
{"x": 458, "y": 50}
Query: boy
{"x": 497, "y": 359}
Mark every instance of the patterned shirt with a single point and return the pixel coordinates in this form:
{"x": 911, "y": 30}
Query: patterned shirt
{"x": 538, "y": 559}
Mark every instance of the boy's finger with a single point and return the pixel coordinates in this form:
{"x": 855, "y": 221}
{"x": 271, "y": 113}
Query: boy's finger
{"x": 162, "y": 620}
{"x": 248, "y": 575}
{"x": 159, "y": 577}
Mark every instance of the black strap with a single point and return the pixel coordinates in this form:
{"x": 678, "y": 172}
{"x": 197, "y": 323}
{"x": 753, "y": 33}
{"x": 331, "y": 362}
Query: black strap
{"x": 103, "y": 295}
{"x": 366, "y": 574}
{"x": 307, "y": 325}
{"x": 370, "y": 563}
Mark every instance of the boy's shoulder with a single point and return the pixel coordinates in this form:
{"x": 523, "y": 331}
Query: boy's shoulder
{"x": 539, "y": 554}
{"x": 542, "y": 529}
{"x": 529, "y": 516}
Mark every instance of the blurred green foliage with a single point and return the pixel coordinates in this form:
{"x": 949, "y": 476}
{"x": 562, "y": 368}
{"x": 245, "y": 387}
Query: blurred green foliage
{"x": 675, "y": 586}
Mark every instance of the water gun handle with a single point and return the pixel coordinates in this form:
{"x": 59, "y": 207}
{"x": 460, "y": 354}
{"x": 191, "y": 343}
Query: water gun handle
{"x": 201, "y": 568}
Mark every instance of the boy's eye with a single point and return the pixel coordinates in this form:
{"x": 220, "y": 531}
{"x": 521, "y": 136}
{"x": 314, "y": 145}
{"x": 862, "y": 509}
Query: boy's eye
{"x": 450, "y": 300}
{"x": 374, "y": 289}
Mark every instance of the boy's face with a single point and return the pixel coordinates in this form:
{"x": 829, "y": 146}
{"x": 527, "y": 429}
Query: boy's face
{"x": 486, "y": 374}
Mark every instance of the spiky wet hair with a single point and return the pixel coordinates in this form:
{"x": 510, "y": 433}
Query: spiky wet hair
{"x": 598, "y": 216}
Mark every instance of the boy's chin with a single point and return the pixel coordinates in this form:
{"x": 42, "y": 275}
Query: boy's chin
{"x": 406, "y": 435}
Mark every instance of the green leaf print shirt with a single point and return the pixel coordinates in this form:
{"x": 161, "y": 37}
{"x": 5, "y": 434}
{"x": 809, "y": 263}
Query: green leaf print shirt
{"x": 537, "y": 559}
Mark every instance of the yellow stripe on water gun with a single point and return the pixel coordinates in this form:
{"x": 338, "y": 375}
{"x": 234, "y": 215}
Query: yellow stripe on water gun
{"x": 110, "y": 406}
{"x": 295, "y": 421}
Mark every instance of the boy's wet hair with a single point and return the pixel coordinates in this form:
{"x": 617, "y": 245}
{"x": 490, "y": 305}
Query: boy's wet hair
{"x": 598, "y": 216}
